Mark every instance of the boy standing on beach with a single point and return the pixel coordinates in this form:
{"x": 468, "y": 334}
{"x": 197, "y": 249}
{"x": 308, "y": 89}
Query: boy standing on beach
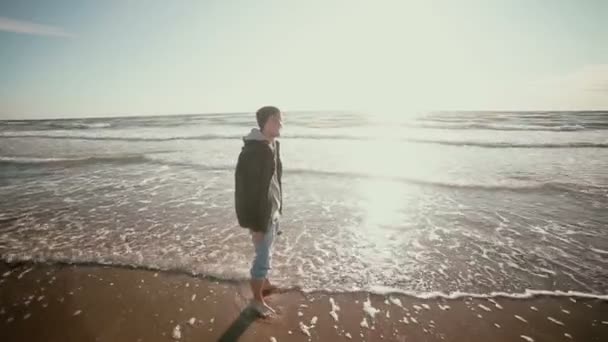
{"x": 258, "y": 198}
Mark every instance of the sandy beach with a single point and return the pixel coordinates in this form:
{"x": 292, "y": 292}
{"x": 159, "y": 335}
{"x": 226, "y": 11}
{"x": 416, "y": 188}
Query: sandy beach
{"x": 400, "y": 171}
{"x": 47, "y": 302}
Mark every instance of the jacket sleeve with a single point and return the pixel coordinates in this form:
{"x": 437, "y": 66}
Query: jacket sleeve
{"x": 248, "y": 190}
{"x": 280, "y": 175}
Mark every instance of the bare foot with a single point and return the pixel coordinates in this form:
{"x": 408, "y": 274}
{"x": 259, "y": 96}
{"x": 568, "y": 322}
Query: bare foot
{"x": 261, "y": 308}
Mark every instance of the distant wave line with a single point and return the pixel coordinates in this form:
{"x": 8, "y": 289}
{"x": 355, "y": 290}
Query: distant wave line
{"x": 481, "y": 144}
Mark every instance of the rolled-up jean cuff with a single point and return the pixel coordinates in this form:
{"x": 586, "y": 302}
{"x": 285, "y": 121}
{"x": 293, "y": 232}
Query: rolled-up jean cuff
{"x": 261, "y": 265}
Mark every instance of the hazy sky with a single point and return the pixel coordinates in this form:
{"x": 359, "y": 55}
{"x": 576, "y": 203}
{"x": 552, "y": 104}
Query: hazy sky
{"x": 95, "y": 58}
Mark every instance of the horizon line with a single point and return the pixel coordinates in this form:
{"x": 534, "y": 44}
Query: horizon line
{"x": 125, "y": 116}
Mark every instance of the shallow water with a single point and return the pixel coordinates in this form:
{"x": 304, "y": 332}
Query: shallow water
{"x": 446, "y": 202}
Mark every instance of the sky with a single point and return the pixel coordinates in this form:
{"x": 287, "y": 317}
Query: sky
{"x": 106, "y": 58}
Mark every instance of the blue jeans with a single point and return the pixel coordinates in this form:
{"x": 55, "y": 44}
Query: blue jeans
{"x": 263, "y": 251}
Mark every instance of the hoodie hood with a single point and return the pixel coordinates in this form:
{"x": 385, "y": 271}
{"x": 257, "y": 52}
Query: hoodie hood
{"x": 255, "y": 135}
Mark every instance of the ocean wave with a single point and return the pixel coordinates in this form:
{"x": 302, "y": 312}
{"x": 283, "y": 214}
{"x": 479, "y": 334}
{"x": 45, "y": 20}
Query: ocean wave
{"x": 520, "y": 186}
{"x": 527, "y": 294}
{"x": 93, "y": 125}
{"x": 138, "y": 158}
{"x": 481, "y": 144}
{"x": 484, "y": 144}
{"x": 373, "y": 289}
{"x": 84, "y": 125}
{"x": 499, "y": 127}
{"x": 71, "y": 161}
{"x": 33, "y": 160}
{"x": 14, "y": 123}
{"x": 150, "y": 158}
{"x": 73, "y": 125}
{"x": 116, "y": 138}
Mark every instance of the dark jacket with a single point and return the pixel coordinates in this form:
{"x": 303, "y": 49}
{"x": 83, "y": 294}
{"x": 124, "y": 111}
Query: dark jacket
{"x": 254, "y": 171}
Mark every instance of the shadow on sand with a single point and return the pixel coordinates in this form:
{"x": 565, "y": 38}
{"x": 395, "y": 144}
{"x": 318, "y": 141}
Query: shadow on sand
{"x": 239, "y": 326}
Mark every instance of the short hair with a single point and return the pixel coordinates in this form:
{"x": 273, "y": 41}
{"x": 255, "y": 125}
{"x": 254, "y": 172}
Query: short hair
{"x": 264, "y": 113}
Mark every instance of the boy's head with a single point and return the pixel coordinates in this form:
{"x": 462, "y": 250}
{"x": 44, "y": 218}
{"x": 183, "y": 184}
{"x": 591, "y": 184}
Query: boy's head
{"x": 270, "y": 121}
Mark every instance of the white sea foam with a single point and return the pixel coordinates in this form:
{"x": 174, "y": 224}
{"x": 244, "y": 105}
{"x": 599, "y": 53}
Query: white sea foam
{"x": 395, "y": 301}
{"x": 555, "y": 321}
{"x": 521, "y": 318}
{"x": 334, "y": 309}
{"x": 380, "y": 290}
{"x": 484, "y": 307}
{"x": 599, "y": 251}
{"x": 528, "y": 293}
{"x": 304, "y": 329}
{"x": 36, "y": 159}
{"x": 177, "y": 332}
{"x": 369, "y": 309}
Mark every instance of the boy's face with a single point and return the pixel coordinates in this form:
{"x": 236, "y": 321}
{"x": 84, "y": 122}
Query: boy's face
{"x": 273, "y": 125}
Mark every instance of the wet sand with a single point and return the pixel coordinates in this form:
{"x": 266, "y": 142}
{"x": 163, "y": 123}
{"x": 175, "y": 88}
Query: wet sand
{"x": 50, "y": 302}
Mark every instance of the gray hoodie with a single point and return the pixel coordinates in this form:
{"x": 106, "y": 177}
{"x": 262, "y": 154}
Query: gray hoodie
{"x": 274, "y": 190}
